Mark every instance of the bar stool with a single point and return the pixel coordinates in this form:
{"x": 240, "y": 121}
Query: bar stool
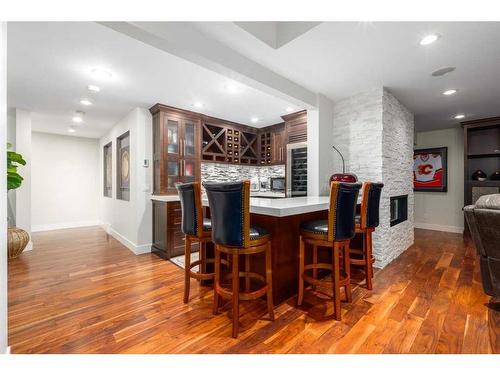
{"x": 233, "y": 236}
{"x": 334, "y": 233}
{"x": 366, "y": 222}
{"x": 196, "y": 229}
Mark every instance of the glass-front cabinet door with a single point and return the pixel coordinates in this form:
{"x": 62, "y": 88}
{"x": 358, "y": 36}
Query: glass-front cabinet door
{"x": 190, "y": 151}
{"x": 178, "y": 150}
{"x": 172, "y": 135}
{"x": 189, "y": 141}
{"x": 172, "y": 172}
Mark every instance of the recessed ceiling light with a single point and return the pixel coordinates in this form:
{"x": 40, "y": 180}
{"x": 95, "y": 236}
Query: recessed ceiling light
{"x": 85, "y": 102}
{"x": 78, "y": 117}
{"x": 459, "y": 116}
{"x": 289, "y": 109}
{"x": 93, "y": 88}
{"x": 255, "y": 119}
{"x": 198, "y": 105}
{"x": 449, "y": 92}
{"x": 101, "y": 73}
{"x": 71, "y": 130}
{"x": 429, "y": 39}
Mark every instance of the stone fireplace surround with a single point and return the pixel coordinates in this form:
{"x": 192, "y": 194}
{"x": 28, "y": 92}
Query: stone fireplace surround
{"x": 374, "y": 131}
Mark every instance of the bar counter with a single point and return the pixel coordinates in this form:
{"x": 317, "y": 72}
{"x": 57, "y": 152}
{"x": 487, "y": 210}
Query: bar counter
{"x": 282, "y": 218}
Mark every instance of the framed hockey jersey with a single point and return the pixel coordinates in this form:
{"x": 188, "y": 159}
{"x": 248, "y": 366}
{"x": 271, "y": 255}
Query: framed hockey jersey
{"x": 430, "y": 169}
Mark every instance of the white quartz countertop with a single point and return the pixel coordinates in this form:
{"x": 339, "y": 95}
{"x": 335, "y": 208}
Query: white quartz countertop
{"x": 272, "y": 207}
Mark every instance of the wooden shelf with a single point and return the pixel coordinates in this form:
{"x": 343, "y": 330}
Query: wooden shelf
{"x": 484, "y": 155}
{"x": 487, "y": 183}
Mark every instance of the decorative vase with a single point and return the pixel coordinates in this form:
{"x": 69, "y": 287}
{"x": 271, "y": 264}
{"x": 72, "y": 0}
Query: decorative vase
{"x": 495, "y": 176}
{"x": 344, "y": 177}
{"x": 17, "y": 239}
{"x": 479, "y": 175}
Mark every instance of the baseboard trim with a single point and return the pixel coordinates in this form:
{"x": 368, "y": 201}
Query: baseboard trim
{"x": 440, "y": 228}
{"x": 56, "y": 226}
{"x": 136, "y": 249}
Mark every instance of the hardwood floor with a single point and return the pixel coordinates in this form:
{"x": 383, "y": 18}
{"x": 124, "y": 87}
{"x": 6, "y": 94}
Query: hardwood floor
{"x": 79, "y": 292}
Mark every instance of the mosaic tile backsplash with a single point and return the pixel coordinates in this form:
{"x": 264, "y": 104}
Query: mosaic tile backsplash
{"x": 213, "y": 172}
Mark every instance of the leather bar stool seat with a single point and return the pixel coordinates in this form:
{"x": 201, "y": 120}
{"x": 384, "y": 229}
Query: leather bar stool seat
{"x": 233, "y": 236}
{"x": 316, "y": 227}
{"x": 335, "y": 234}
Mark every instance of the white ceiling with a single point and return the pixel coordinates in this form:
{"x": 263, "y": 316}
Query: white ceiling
{"x": 340, "y": 59}
{"x": 49, "y": 68}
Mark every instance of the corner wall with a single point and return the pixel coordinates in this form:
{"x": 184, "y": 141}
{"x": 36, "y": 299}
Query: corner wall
{"x": 64, "y": 181}
{"x": 130, "y": 222}
{"x": 374, "y": 132}
{"x": 443, "y": 211}
{"x": 3, "y": 188}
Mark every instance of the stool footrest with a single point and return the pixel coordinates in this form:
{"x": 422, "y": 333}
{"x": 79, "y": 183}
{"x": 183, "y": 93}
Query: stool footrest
{"x": 344, "y": 280}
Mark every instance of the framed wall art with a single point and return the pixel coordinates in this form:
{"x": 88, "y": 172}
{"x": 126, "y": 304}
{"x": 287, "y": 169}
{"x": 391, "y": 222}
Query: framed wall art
{"x": 430, "y": 169}
{"x": 123, "y": 167}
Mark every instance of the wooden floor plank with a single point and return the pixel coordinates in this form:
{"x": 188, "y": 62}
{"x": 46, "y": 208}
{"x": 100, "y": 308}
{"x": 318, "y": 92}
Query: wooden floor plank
{"x": 81, "y": 291}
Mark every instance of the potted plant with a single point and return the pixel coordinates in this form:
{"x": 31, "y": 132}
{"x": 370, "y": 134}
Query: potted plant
{"x": 17, "y": 239}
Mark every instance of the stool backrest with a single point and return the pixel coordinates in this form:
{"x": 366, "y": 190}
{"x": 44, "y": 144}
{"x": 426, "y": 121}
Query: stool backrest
{"x": 342, "y": 212}
{"x": 370, "y": 205}
{"x": 192, "y": 210}
{"x": 230, "y": 212}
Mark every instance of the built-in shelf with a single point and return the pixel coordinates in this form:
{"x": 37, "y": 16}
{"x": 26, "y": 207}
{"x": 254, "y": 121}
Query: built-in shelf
{"x": 487, "y": 183}
{"x": 484, "y": 155}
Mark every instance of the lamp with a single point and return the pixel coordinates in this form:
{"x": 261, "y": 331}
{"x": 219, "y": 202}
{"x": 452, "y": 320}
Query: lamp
{"x": 343, "y": 177}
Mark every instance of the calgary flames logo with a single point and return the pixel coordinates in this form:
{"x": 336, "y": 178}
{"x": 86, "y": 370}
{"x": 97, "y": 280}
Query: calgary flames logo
{"x": 424, "y": 169}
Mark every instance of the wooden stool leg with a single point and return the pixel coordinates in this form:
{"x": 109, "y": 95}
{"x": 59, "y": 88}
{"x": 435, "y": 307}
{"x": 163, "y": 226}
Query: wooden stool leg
{"x": 216, "y": 280}
{"x": 269, "y": 282}
{"x": 347, "y": 270}
{"x": 187, "y": 268}
{"x": 336, "y": 281}
{"x": 235, "y": 296}
{"x": 368, "y": 257}
{"x": 300, "y": 295}
{"x": 315, "y": 261}
{"x": 247, "y": 269}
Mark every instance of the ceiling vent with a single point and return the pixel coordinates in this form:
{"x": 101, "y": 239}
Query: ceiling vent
{"x": 443, "y": 71}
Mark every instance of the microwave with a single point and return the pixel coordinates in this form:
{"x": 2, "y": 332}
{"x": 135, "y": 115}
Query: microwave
{"x": 278, "y": 184}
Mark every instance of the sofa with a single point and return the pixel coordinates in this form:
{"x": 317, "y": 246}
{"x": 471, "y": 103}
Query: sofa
{"x": 483, "y": 219}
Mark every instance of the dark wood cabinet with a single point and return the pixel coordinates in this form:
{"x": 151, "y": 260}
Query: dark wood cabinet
{"x": 296, "y": 127}
{"x": 168, "y": 239}
{"x": 176, "y": 148}
{"x": 272, "y": 144}
{"x": 481, "y": 152}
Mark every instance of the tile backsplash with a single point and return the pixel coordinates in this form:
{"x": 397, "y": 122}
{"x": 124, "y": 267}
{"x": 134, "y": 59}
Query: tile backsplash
{"x": 214, "y": 172}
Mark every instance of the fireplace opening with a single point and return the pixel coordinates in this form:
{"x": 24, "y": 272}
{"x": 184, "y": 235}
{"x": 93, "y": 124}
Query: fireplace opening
{"x": 399, "y": 209}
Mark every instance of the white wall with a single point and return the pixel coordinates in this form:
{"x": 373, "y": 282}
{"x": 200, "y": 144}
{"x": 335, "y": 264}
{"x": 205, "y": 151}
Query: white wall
{"x": 64, "y": 181}
{"x": 319, "y": 147}
{"x": 11, "y": 138}
{"x": 3, "y": 188}
{"x": 443, "y": 211}
{"x": 23, "y": 193}
{"x": 130, "y": 221}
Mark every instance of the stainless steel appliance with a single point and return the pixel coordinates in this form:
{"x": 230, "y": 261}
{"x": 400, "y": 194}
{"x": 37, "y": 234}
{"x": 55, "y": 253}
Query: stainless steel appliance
{"x": 296, "y": 170}
{"x": 278, "y": 184}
